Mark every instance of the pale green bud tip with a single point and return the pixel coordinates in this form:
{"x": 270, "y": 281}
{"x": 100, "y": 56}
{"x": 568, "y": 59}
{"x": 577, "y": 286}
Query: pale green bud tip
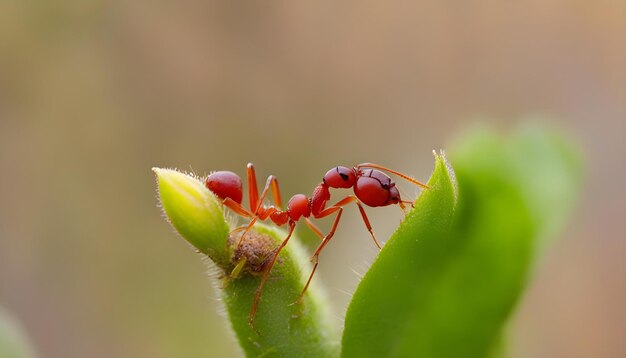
{"x": 194, "y": 212}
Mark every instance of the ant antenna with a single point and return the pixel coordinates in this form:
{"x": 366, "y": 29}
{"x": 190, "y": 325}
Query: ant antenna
{"x": 401, "y": 175}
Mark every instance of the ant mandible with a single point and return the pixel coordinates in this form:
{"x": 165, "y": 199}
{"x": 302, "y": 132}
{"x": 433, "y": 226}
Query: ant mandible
{"x": 371, "y": 187}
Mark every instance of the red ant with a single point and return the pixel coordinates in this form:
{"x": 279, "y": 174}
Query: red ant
{"x": 371, "y": 187}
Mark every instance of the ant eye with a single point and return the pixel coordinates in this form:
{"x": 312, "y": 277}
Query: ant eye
{"x": 344, "y": 173}
{"x": 394, "y": 197}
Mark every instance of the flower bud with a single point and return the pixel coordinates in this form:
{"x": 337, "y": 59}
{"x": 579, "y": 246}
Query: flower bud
{"x": 195, "y": 212}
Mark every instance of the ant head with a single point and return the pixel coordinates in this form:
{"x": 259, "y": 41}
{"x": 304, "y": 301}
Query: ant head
{"x": 225, "y": 184}
{"x": 374, "y": 188}
{"x": 394, "y": 195}
{"x": 340, "y": 177}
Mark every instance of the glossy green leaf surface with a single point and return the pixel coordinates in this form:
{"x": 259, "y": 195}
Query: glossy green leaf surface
{"x": 447, "y": 281}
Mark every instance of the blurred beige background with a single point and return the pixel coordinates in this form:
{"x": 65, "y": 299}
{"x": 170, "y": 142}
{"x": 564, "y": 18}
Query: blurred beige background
{"x": 93, "y": 94}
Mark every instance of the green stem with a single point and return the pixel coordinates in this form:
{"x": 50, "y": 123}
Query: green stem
{"x": 281, "y": 329}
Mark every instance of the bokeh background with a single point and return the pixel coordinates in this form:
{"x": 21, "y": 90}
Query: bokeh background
{"x": 95, "y": 93}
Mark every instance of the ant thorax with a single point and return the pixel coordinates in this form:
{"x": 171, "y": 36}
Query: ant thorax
{"x": 320, "y": 196}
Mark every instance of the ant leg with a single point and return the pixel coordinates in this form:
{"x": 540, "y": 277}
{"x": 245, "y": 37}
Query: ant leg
{"x": 314, "y": 228}
{"x": 367, "y": 222}
{"x": 259, "y": 213}
{"x": 262, "y": 214}
{"x": 268, "y": 269}
{"x": 329, "y": 211}
{"x": 315, "y": 257}
{"x": 237, "y": 208}
{"x": 401, "y": 175}
{"x": 255, "y": 201}
{"x": 347, "y": 200}
{"x": 326, "y": 212}
{"x": 308, "y": 282}
{"x": 253, "y": 189}
{"x": 250, "y": 225}
{"x": 272, "y": 183}
{"x": 276, "y": 193}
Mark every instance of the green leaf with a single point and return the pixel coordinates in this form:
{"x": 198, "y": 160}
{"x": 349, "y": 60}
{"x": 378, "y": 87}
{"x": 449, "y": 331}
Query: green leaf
{"x": 385, "y": 305}
{"x": 448, "y": 279}
{"x": 281, "y": 329}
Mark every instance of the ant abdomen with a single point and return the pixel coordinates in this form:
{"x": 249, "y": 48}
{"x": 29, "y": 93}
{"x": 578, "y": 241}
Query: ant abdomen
{"x": 225, "y": 184}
